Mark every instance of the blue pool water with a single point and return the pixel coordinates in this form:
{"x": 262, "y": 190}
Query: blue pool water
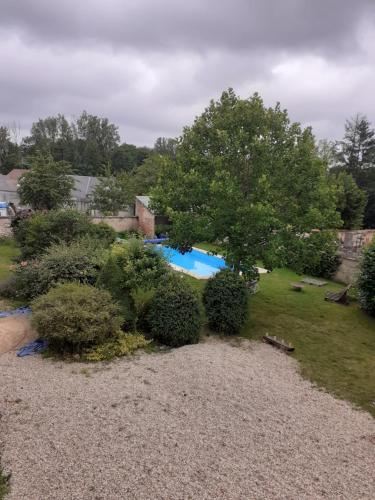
{"x": 199, "y": 263}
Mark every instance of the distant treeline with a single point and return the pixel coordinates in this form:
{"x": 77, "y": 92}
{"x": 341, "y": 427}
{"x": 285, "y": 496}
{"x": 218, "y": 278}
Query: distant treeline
{"x": 89, "y": 143}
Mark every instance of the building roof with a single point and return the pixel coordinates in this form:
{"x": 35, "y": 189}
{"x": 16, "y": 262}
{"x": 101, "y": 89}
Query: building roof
{"x": 145, "y": 200}
{"x": 83, "y": 184}
{"x": 15, "y": 174}
{"x": 7, "y": 185}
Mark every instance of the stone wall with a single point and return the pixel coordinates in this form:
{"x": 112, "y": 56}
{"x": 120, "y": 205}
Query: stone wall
{"x": 352, "y": 244}
{"x": 5, "y": 229}
{"x": 146, "y": 219}
{"x": 118, "y": 223}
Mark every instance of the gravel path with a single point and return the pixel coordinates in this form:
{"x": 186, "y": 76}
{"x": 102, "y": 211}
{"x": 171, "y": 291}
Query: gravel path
{"x": 211, "y": 421}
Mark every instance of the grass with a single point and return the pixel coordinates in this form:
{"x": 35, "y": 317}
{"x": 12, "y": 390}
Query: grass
{"x": 4, "y": 485}
{"x": 209, "y": 247}
{"x": 8, "y": 250}
{"x": 334, "y": 344}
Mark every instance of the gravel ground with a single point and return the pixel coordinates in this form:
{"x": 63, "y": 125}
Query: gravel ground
{"x": 210, "y": 421}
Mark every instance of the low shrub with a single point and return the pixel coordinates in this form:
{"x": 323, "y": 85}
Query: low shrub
{"x": 131, "y": 234}
{"x": 225, "y": 300}
{"x": 316, "y": 255}
{"x": 79, "y": 261}
{"x": 123, "y": 345}
{"x": 134, "y": 266}
{"x": 366, "y": 280}
{"x": 8, "y": 287}
{"x": 174, "y": 315}
{"x": 36, "y": 233}
{"x": 73, "y": 316}
{"x": 129, "y": 267}
{"x": 103, "y": 232}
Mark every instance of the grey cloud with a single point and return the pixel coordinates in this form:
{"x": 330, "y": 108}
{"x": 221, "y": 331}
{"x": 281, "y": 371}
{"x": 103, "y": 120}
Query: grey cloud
{"x": 152, "y": 66}
{"x": 202, "y": 25}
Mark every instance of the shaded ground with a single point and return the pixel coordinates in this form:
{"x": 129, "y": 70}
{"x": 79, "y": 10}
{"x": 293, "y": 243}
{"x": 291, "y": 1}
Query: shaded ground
{"x": 206, "y": 421}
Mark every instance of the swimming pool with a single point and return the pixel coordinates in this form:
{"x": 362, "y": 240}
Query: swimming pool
{"x": 197, "y": 263}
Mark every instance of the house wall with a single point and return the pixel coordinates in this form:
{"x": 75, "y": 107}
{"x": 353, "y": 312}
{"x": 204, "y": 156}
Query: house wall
{"x": 146, "y": 219}
{"x": 352, "y": 244}
{"x": 118, "y": 223}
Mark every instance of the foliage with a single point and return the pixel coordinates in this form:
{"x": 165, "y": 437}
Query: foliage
{"x": 103, "y": 233}
{"x": 314, "y": 254}
{"x": 356, "y": 155}
{"x": 10, "y": 153}
{"x": 174, "y": 316}
{"x": 36, "y": 233}
{"x": 110, "y": 195}
{"x": 166, "y": 146}
{"x": 351, "y": 201}
{"x": 225, "y": 300}
{"x": 4, "y": 484}
{"x": 73, "y": 316}
{"x": 129, "y": 268}
{"x": 132, "y": 265}
{"x": 243, "y": 172}
{"x": 47, "y": 185}
{"x": 123, "y": 345}
{"x": 128, "y": 157}
{"x": 366, "y": 280}
{"x": 79, "y": 261}
{"x": 130, "y": 234}
{"x": 88, "y": 142}
{"x": 141, "y": 300}
{"x": 8, "y": 287}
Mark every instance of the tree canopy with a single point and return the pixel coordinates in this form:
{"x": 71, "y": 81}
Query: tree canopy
{"x": 246, "y": 175}
{"x": 47, "y": 185}
{"x": 356, "y": 155}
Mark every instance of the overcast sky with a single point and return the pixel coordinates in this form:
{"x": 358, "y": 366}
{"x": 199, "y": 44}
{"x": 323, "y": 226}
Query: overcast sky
{"x": 152, "y": 66}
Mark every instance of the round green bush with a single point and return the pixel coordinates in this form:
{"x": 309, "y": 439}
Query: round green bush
{"x": 80, "y": 261}
{"x": 103, "y": 232}
{"x": 174, "y": 315}
{"x": 73, "y": 316}
{"x": 225, "y": 300}
{"x": 316, "y": 254}
{"x": 366, "y": 280}
{"x": 36, "y": 233}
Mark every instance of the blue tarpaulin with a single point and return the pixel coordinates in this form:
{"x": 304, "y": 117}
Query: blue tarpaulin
{"x": 15, "y": 312}
{"x": 32, "y": 348}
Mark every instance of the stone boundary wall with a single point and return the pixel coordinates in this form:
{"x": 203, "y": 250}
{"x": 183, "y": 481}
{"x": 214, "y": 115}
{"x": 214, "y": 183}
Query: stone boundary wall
{"x": 352, "y": 244}
{"x": 119, "y": 223}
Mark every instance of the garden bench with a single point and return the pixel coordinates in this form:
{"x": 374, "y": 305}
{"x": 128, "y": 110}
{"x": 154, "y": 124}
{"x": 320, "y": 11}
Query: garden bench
{"x": 280, "y": 344}
{"x": 340, "y": 297}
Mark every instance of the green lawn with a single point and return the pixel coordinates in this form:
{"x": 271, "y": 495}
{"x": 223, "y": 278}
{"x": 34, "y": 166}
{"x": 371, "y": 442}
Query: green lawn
{"x": 8, "y": 250}
{"x": 334, "y": 344}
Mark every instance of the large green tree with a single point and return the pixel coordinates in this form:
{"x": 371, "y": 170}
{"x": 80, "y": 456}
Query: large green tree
{"x": 10, "y": 152}
{"x": 245, "y": 175}
{"x": 52, "y": 135}
{"x": 112, "y": 193}
{"x": 356, "y": 155}
{"x": 351, "y": 200}
{"x": 47, "y": 185}
{"x": 127, "y": 157}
